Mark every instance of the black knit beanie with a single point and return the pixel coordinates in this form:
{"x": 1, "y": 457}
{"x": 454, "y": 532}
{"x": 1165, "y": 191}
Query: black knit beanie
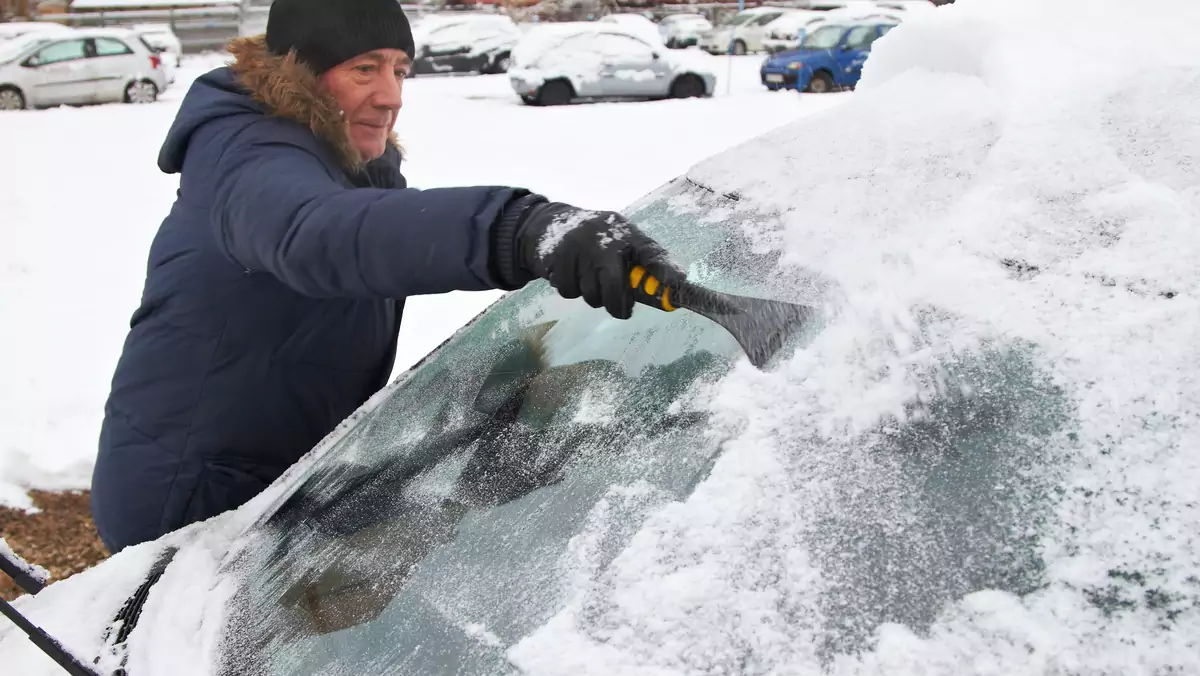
{"x": 325, "y": 33}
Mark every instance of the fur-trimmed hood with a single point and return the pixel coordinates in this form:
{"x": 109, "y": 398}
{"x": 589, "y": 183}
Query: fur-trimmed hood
{"x": 288, "y": 88}
{"x": 280, "y": 86}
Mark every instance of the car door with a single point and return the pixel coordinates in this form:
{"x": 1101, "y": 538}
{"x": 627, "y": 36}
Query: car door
{"x": 113, "y": 64}
{"x": 629, "y": 66}
{"x": 852, "y": 53}
{"x": 59, "y": 73}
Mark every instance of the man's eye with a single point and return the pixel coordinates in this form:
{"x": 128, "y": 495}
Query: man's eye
{"x": 365, "y": 68}
{"x": 401, "y": 74}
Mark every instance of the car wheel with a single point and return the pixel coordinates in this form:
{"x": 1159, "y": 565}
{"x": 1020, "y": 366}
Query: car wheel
{"x": 11, "y": 98}
{"x": 502, "y": 63}
{"x": 142, "y": 91}
{"x": 529, "y": 100}
{"x": 555, "y": 93}
{"x": 739, "y": 48}
{"x": 821, "y": 83}
{"x": 687, "y": 87}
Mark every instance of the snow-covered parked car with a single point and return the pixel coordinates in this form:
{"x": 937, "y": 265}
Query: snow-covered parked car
{"x": 683, "y": 30}
{"x": 86, "y": 65}
{"x": 981, "y": 460}
{"x": 741, "y": 33}
{"x": 556, "y": 64}
{"x": 479, "y": 43}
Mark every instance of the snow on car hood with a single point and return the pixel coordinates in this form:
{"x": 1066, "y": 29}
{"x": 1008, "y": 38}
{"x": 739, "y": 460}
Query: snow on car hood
{"x": 1039, "y": 234}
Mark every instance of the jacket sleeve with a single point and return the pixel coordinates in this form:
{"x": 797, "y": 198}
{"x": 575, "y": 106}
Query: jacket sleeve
{"x": 278, "y": 210}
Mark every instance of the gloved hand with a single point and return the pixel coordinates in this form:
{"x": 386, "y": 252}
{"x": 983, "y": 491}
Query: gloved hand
{"x": 581, "y": 253}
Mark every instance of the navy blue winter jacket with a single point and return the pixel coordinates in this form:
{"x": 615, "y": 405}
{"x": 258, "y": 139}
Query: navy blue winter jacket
{"x": 273, "y": 296}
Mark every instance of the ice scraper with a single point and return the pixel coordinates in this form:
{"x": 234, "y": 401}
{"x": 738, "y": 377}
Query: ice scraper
{"x": 760, "y": 326}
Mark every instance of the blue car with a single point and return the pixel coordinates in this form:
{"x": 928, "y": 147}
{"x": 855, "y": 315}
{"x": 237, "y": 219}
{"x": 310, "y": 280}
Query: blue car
{"x": 829, "y": 58}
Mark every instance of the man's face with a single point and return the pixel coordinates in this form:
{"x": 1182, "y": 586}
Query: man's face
{"x": 368, "y": 90}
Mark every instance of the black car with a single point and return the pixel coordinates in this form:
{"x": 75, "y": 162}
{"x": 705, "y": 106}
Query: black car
{"x": 469, "y": 44}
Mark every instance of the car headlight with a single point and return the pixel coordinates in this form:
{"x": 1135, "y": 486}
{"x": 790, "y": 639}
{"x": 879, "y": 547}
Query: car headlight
{"x": 795, "y": 65}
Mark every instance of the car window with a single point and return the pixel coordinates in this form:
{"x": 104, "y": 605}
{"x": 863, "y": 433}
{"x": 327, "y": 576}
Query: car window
{"x": 861, "y": 37}
{"x": 884, "y": 28}
{"x": 111, "y": 47}
{"x": 58, "y": 52}
{"x": 447, "y": 508}
{"x": 824, "y": 38}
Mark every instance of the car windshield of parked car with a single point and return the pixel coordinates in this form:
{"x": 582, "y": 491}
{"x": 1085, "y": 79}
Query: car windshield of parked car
{"x": 826, "y": 37}
{"x": 11, "y": 50}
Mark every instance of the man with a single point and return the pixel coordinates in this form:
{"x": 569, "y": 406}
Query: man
{"x": 275, "y": 286}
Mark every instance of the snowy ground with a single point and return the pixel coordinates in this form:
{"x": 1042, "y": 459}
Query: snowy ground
{"x": 82, "y": 199}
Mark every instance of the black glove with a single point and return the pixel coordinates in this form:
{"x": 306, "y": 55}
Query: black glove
{"x": 581, "y": 253}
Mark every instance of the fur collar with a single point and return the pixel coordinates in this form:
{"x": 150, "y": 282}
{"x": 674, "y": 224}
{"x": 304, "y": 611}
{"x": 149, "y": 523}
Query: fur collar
{"x": 288, "y": 88}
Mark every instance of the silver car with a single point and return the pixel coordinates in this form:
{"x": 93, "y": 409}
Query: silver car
{"x": 93, "y": 65}
{"x": 558, "y": 64}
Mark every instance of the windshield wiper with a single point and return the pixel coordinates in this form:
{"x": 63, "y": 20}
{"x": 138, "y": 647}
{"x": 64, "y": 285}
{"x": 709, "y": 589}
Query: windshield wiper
{"x": 19, "y": 570}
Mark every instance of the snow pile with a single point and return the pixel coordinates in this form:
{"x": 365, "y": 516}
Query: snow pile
{"x": 986, "y": 460}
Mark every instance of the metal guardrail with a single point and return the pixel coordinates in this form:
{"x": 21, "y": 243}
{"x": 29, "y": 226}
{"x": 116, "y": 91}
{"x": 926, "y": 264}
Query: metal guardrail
{"x": 199, "y": 29}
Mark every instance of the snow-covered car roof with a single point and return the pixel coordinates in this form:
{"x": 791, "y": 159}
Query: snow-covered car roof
{"x": 480, "y": 33}
{"x": 14, "y": 29}
{"x": 637, "y": 25}
{"x": 982, "y": 460}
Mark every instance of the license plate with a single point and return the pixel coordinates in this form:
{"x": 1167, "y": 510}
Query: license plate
{"x": 774, "y": 77}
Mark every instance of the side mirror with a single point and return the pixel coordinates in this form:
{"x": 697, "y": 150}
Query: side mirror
{"x": 31, "y": 62}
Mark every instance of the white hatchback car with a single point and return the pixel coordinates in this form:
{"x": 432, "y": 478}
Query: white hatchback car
{"x": 92, "y": 65}
{"x": 559, "y": 63}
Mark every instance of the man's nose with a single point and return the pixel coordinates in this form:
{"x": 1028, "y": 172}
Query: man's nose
{"x": 387, "y": 94}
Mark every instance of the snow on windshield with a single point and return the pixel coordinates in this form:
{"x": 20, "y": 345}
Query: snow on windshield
{"x": 16, "y": 47}
{"x": 1007, "y": 266}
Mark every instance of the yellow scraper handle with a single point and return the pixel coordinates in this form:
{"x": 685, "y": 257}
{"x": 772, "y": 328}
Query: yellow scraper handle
{"x": 648, "y": 290}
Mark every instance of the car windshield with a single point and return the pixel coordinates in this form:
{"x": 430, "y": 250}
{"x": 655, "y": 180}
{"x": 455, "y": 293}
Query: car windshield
{"x": 13, "y": 49}
{"x": 503, "y": 479}
{"x": 826, "y": 37}
{"x": 436, "y": 528}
